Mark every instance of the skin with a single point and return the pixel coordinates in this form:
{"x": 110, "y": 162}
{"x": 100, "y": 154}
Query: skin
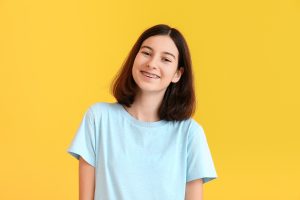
{"x": 151, "y": 58}
{"x": 194, "y": 190}
{"x": 86, "y": 180}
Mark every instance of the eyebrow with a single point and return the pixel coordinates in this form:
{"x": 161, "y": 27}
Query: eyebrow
{"x": 165, "y": 52}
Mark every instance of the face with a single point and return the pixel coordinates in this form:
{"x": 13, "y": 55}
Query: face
{"x": 156, "y": 64}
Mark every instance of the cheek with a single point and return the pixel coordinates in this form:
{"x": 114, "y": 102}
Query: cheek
{"x": 139, "y": 62}
{"x": 134, "y": 70}
{"x": 135, "y": 63}
{"x": 135, "y": 66}
{"x": 138, "y": 59}
{"x": 169, "y": 70}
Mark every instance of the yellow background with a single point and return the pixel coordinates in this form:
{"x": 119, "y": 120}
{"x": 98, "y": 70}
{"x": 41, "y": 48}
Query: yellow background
{"x": 59, "y": 57}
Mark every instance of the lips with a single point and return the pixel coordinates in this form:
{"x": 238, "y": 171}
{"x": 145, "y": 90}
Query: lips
{"x": 150, "y": 75}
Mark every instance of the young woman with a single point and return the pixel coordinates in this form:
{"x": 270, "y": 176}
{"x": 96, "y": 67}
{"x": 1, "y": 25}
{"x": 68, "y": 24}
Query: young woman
{"x": 146, "y": 146}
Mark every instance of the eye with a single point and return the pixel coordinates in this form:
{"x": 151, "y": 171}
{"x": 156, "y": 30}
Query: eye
{"x": 145, "y": 53}
{"x": 166, "y": 60}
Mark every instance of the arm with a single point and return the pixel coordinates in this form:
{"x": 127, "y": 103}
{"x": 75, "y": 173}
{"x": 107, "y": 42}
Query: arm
{"x": 194, "y": 190}
{"x": 86, "y": 180}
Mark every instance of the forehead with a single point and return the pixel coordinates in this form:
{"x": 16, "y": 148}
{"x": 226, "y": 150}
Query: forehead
{"x": 161, "y": 43}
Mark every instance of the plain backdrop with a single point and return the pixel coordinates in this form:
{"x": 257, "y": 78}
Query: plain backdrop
{"x": 59, "y": 57}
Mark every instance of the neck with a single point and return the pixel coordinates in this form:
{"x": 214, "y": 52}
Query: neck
{"x": 145, "y": 107}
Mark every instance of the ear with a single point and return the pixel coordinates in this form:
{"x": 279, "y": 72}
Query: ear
{"x": 177, "y": 75}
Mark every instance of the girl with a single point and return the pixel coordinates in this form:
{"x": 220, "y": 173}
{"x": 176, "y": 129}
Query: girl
{"x": 146, "y": 146}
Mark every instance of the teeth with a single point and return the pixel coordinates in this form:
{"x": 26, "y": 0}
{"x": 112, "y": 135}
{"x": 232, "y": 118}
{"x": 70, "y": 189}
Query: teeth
{"x": 150, "y": 75}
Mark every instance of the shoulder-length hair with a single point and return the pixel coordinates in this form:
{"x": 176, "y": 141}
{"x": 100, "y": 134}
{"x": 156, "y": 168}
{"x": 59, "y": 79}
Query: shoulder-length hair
{"x": 179, "y": 99}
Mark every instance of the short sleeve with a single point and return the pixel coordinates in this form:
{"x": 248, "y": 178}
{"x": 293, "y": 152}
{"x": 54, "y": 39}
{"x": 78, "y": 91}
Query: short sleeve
{"x": 83, "y": 143}
{"x": 199, "y": 159}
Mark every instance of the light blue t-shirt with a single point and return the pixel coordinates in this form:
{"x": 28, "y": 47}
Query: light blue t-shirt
{"x": 137, "y": 160}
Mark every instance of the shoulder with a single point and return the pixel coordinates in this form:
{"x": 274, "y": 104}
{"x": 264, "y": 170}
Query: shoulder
{"x": 100, "y": 108}
{"x": 194, "y": 128}
{"x": 189, "y": 127}
{"x": 191, "y": 124}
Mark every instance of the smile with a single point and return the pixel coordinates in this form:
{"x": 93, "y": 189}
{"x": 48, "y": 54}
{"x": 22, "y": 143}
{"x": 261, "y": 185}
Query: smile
{"x": 149, "y": 75}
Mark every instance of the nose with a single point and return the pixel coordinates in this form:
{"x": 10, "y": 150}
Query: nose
{"x": 152, "y": 63}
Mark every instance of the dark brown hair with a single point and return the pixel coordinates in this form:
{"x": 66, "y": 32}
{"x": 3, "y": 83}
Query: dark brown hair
{"x": 179, "y": 99}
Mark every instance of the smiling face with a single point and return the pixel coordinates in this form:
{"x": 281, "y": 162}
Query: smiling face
{"x": 156, "y": 64}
